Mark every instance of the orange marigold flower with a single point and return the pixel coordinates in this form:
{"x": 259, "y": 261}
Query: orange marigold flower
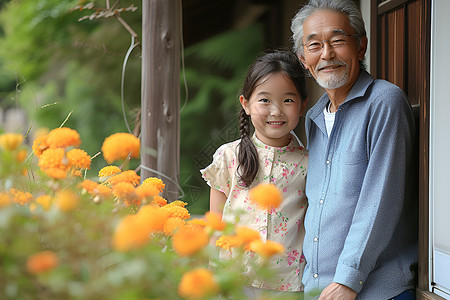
{"x": 109, "y": 171}
{"x": 102, "y": 191}
{"x": 129, "y": 234}
{"x": 45, "y": 201}
{"x": 177, "y": 211}
{"x": 124, "y": 190}
{"x": 247, "y": 235}
{"x": 126, "y": 176}
{"x": 66, "y": 200}
{"x": 214, "y": 220}
{"x": 179, "y": 203}
{"x": 55, "y": 173}
{"x": 53, "y": 158}
{"x": 153, "y": 217}
{"x": 228, "y": 242}
{"x": 146, "y": 190}
{"x": 40, "y": 145}
{"x": 134, "y": 231}
{"x": 158, "y": 200}
{"x": 197, "y": 284}
{"x": 5, "y": 200}
{"x": 266, "y": 195}
{"x": 10, "y": 141}
{"x": 267, "y": 249}
{"x": 156, "y": 182}
{"x": 21, "y": 155}
{"x": 42, "y": 262}
{"x": 89, "y": 185}
{"x": 63, "y": 137}
{"x": 197, "y": 222}
{"x": 119, "y": 146}
{"x": 79, "y": 159}
{"x": 189, "y": 240}
{"x": 172, "y": 225}
{"x": 20, "y": 197}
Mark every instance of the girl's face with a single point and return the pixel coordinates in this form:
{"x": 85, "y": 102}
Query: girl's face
{"x": 275, "y": 108}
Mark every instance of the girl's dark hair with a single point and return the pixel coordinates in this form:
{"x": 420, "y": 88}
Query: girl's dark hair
{"x": 269, "y": 63}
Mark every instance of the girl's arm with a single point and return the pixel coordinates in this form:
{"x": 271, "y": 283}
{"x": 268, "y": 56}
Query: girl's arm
{"x": 217, "y": 201}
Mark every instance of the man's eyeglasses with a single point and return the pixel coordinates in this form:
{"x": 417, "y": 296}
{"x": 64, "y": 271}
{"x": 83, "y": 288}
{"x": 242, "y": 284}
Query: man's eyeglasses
{"x": 336, "y": 41}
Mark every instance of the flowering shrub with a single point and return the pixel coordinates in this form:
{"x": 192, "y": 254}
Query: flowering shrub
{"x": 64, "y": 236}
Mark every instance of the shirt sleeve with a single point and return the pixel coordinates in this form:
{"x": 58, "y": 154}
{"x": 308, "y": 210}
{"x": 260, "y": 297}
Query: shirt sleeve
{"x": 218, "y": 174}
{"x": 380, "y": 204}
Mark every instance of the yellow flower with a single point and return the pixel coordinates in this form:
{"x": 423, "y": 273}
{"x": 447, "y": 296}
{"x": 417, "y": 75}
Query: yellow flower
{"x": 153, "y": 217}
{"x": 267, "y": 249}
{"x": 45, "y": 201}
{"x": 79, "y": 159}
{"x": 177, "y": 211}
{"x": 159, "y": 201}
{"x": 179, "y": 203}
{"x": 228, "y": 242}
{"x": 119, "y": 146}
{"x": 172, "y": 225}
{"x": 126, "y": 176}
{"x": 66, "y": 200}
{"x": 5, "y": 200}
{"x": 40, "y": 145}
{"x": 102, "y": 191}
{"x": 53, "y": 158}
{"x": 197, "y": 284}
{"x": 189, "y": 240}
{"x": 266, "y": 195}
{"x": 156, "y": 182}
{"x": 214, "y": 220}
{"x": 197, "y": 222}
{"x": 109, "y": 171}
{"x": 63, "y": 137}
{"x": 20, "y": 197}
{"x": 10, "y": 141}
{"x": 42, "y": 262}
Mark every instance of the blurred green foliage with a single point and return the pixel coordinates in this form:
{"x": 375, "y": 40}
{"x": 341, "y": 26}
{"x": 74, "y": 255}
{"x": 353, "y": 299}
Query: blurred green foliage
{"x": 55, "y": 66}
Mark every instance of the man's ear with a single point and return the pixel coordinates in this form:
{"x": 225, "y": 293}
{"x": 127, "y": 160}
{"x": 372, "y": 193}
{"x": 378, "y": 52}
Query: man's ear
{"x": 244, "y": 103}
{"x": 362, "y": 48}
{"x": 302, "y": 60}
{"x": 304, "y": 103}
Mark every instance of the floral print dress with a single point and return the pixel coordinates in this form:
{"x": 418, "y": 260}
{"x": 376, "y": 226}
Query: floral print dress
{"x": 286, "y": 168}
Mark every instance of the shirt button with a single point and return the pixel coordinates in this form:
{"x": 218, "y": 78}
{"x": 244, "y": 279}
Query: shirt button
{"x": 321, "y": 201}
{"x": 361, "y": 282}
{"x": 316, "y": 275}
{"x": 316, "y": 239}
{"x": 328, "y": 162}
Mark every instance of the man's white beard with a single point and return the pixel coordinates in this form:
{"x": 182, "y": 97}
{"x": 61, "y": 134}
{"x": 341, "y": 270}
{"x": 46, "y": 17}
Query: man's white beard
{"x": 334, "y": 80}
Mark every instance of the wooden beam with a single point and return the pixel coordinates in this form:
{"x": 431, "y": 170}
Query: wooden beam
{"x": 160, "y": 122}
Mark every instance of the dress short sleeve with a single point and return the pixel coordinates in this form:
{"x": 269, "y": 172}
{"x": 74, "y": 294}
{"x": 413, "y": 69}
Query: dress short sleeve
{"x": 219, "y": 174}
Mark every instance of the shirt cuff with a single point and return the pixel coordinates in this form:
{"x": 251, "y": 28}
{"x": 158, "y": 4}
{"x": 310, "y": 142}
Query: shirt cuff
{"x": 349, "y": 277}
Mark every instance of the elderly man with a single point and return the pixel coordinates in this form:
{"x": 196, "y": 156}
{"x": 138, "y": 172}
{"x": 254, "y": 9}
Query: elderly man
{"x": 358, "y": 242}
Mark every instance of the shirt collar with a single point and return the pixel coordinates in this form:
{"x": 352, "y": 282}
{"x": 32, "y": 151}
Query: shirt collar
{"x": 360, "y": 87}
{"x": 260, "y": 145}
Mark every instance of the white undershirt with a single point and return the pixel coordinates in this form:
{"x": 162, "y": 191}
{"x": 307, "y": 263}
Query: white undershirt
{"x": 329, "y": 118}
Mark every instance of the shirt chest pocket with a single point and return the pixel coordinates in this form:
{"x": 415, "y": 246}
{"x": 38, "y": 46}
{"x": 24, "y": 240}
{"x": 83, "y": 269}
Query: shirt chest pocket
{"x": 348, "y": 169}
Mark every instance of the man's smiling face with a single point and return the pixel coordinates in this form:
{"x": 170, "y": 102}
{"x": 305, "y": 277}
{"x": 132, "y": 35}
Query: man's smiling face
{"x": 332, "y": 67}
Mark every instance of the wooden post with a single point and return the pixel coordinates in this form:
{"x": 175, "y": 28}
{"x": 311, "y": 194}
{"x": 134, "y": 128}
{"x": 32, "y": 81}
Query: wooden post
{"x": 161, "y": 31}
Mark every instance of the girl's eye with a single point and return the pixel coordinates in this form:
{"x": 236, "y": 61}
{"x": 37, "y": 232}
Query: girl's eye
{"x": 288, "y": 100}
{"x": 264, "y": 100}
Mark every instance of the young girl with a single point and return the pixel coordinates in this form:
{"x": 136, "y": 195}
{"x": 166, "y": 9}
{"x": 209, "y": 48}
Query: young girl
{"x": 273, "y": 98}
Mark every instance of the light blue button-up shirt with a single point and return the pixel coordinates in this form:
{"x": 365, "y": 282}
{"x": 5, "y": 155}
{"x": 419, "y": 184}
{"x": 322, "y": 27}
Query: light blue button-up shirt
{"x": 359, "y": 229}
